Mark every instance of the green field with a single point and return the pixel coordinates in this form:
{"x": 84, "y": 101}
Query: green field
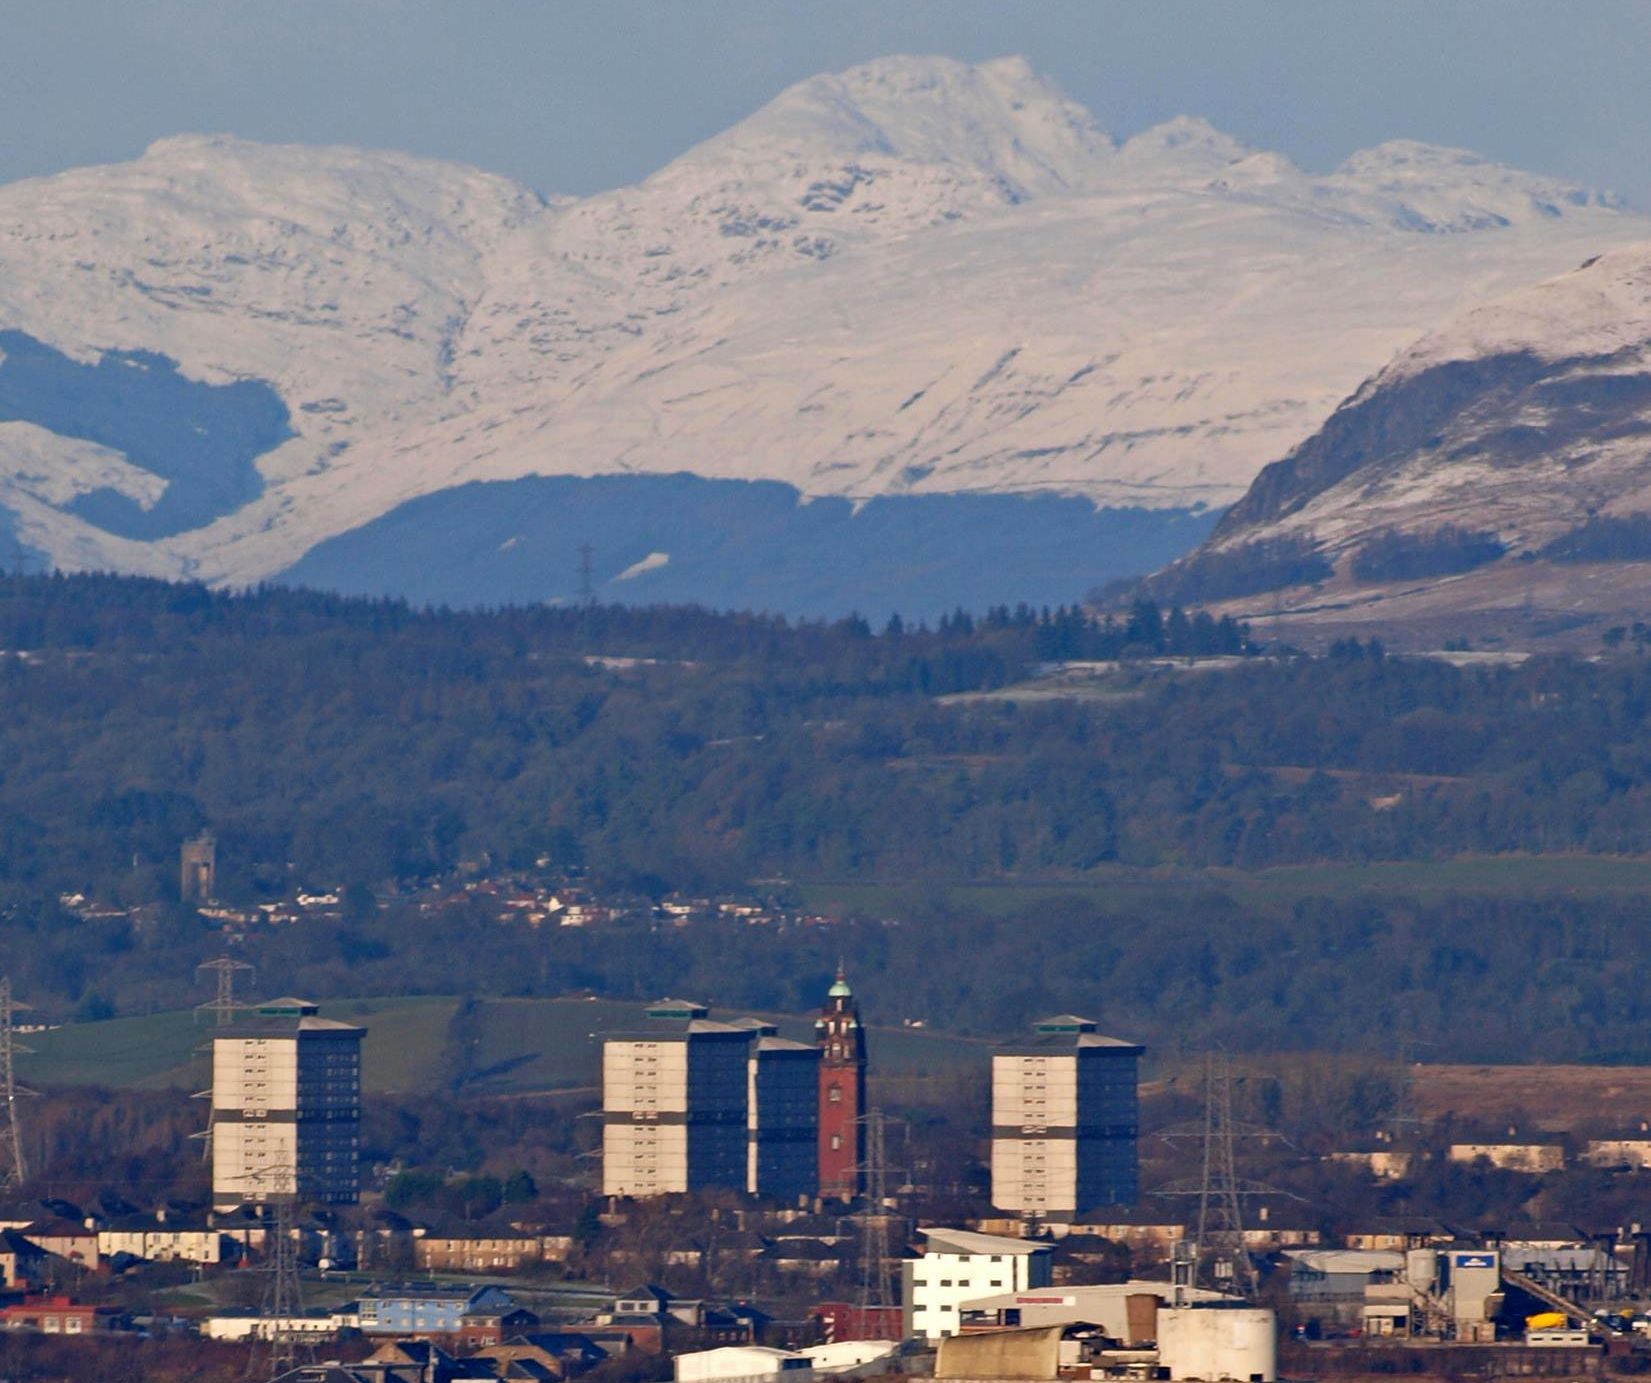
{"x": 165, "y": 1050}
{"x": 1126, "y": 890}
{"x": 522, "y": 1046}
{"x": 502, "y": 1046}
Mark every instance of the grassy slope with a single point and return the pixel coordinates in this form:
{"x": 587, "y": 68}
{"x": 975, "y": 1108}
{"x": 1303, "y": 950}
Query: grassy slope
{"x": 1125, "y": 889}
{"x": 520, "y": 1046}
{"x": 161, "y": 1051}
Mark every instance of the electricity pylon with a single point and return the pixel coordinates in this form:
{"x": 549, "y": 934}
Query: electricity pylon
{"x": 876, "y": 1283}
{"x": 1220, "y": 1237}
{"x": 223, "y": 1005}
{"x": 14, "y": 1171}
{"x": 1218, "y": 1252}
{"x": 279, "y": 1347}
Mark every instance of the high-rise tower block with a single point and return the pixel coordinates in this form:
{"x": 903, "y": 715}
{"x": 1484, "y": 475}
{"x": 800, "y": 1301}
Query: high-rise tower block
{"x": 1064, "y": 1120}
{"x": 286, "y": 1107}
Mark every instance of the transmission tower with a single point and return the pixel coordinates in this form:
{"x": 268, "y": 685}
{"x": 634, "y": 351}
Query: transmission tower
{"x": 876, "y": 1283}
{"x": 14, "y": 1171}
{"x": 223, "y": 1005}
{"x": 1217, "y": 1252}
{"x": 587, "y": 591}
{"x": 278, "y": 1347}
{"x": 1220, "y": 1237}
{"x": 1403, "y": 1113}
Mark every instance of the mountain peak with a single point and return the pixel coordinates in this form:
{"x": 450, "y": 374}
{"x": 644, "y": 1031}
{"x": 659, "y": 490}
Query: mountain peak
{"x": 1410, "y": 158}
{"x": 999, "y": 118}
{"x": 1183, "y": 145}
{"x": 1434, "y": 187}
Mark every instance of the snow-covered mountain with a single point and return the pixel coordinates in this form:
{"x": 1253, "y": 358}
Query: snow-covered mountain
{"x": 914, "y": 280}
{"x": 1499, "y": 467}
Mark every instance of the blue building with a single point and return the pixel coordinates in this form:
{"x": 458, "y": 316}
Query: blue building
{"x": 783, "y": 1117}
{"x": 425, "y": 1308}
{"x": 677, "y": 1104}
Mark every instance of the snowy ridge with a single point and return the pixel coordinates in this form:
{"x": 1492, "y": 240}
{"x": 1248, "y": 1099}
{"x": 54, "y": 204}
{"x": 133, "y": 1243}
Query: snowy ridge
{"x": 915, "y": 277}
{"x": 1527, "y": 419}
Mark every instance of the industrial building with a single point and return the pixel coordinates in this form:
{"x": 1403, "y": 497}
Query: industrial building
{"x": 286, "y": 1107}
{"x": 1218, "y": 1342}
{"x": 1210, "y": 1343}
{"x": 842, "y": 1092}
{"x": 1451, "y": 1293}
{"x": 1065, "y": 1121}
{"x": 1126, "y": 1311}
{"x": 859, "y": 1358}
{"x": 960, "y": 1266}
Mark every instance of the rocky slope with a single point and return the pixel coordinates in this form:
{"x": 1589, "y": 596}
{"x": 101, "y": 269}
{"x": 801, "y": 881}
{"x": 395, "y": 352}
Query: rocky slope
{"x": 916, "y": 278}
{"x": 1499, "y": 467}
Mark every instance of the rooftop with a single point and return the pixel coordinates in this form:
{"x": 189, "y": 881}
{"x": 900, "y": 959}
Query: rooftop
{"x": 677, "y": 1009}
{"x": 968, "y": 1241}
{"x": 1068, "y": 1039}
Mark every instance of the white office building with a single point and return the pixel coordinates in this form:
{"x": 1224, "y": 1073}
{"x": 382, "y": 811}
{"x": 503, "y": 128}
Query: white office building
{"x": 1065, "y": 1121}
{"x": 961, "y": 1266}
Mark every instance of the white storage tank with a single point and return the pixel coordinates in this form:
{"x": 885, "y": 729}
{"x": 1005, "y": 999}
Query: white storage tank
{"x": 1214, "y": 1343}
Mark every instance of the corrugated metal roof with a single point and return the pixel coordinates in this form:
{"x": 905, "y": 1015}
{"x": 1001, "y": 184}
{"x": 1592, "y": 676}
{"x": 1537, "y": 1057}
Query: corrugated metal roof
{"x": 1329, "y": 1261}
{"x": 968, "y": 1241}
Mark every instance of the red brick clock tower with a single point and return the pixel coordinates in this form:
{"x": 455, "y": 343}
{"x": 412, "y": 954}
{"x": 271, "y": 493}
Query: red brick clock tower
{"x": 842, "y": 1046}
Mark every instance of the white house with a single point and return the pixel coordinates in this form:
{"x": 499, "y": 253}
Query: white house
{"x": 155, "y": 1238}
{"x": 959, "y": 1265}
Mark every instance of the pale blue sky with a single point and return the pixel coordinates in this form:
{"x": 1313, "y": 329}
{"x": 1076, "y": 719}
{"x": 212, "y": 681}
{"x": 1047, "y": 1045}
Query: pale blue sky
{"x": 574, "y": 97}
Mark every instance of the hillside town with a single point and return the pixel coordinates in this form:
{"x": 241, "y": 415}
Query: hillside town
{"x": 752, "y": 1218}
{"x": 542, "y": 895}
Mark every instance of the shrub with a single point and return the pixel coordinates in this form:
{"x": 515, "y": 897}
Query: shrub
{"x": 1397, "y": 556}
{"x": 1249, "y": 569}
{"x": 1624, "y": 539}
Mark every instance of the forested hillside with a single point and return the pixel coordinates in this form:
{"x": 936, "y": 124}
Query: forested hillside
{"x": 364, "y": 745}
{"x": 358, "y": 741}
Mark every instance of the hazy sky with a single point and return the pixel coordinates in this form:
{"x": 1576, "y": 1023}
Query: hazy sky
{"x": 574, "y": 97}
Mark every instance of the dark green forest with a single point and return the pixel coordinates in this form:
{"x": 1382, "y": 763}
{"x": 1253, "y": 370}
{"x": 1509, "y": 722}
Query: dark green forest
{"x": 332, "y": 742}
